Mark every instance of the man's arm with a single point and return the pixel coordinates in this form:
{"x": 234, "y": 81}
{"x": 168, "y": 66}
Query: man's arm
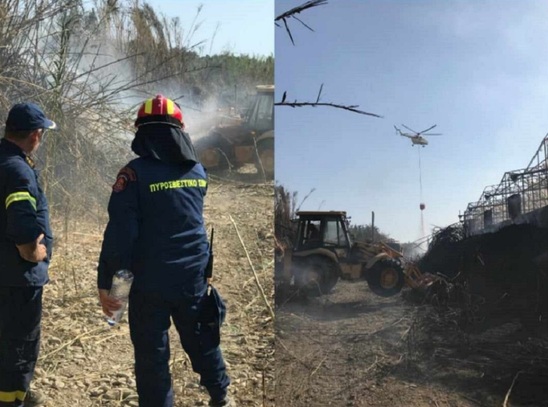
{"x": 22, "y": 226}
{"x": 109, "y": 263}
{"x": 120, "y": 235}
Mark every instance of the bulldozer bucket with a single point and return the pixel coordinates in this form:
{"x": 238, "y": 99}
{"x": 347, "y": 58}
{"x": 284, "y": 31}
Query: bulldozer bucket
{"x": 415, "y": 279}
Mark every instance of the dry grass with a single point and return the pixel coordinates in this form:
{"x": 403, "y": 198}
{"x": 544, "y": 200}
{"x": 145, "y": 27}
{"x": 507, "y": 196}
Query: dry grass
{"x": 353, "y": 348}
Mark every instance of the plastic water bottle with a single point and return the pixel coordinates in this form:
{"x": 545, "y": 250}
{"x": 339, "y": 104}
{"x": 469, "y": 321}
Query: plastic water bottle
{"x": 121, "y": 285}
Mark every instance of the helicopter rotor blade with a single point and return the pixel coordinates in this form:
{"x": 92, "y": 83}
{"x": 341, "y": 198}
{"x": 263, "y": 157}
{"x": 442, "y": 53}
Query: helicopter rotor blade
{"x": 431, "y": 134}
{"x": 429, "y": 128}
{"x": 409, "y": 129}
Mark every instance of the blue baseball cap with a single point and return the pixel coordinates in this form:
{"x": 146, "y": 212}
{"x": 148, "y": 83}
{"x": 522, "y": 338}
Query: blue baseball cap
{"x": 28, "y": 116}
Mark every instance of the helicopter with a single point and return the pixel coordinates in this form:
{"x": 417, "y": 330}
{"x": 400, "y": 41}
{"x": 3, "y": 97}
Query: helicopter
{"x": 417, "y": 138}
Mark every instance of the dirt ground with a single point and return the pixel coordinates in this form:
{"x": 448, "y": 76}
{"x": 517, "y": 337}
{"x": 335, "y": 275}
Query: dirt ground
{"x": 83, "y": 362}
{"x": 353, "y": 348}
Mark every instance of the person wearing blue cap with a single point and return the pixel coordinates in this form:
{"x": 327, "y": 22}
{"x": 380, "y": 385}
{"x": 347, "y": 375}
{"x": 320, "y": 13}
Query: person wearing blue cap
{"x": 25, "y": 253}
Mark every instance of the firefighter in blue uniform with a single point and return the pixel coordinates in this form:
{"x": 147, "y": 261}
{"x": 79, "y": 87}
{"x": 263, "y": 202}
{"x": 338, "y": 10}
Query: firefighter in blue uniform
{"x": 156, "y": 230}
{"x": 25, "y": 252}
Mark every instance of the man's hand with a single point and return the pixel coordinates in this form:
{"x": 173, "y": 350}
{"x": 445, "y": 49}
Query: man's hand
{"x": 108, "y": 303}
{"x": 34, "y": 252}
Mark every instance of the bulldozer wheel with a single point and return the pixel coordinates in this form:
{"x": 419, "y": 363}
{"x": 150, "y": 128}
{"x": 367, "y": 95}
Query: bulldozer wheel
{"x": 265, "y": 156}
{"x": 319, "y": 276}
{"x": 214, "y": 155}
{"x": 386, "y": 278}
{"x": 212, "y": 151}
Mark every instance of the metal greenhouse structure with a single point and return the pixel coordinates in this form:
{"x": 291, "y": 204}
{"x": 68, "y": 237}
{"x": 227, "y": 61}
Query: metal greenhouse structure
{"x": 520, "y": 197}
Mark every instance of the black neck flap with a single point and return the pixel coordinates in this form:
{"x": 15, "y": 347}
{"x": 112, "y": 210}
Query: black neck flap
{"x": 166, "y": 143}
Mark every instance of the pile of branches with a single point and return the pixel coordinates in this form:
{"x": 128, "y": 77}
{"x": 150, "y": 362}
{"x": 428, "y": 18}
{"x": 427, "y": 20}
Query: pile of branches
{"x": 445, "y": 236}
{"x": 493, "y": 273}
{"x": 443, "y": 255}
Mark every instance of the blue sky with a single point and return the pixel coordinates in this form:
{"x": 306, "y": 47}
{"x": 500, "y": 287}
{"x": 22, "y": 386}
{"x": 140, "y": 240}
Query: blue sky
{"x": 245, "y": 26}
{"x": 479, "y": 70}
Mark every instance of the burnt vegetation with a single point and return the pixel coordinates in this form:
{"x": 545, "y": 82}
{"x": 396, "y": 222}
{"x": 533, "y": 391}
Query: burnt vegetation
{"x": 502, "y": 273}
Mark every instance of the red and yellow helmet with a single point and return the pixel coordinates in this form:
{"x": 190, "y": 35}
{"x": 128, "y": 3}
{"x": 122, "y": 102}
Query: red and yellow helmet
{"x": 160, "y": 110}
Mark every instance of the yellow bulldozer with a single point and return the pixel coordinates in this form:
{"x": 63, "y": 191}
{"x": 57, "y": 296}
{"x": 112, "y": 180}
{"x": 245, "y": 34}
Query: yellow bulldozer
{"x": 249, "y": 140}
{"x": 323, "y": 252}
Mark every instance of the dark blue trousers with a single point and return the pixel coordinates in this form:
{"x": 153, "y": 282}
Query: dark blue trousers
{"x": 20, "y": 315}
{"x": 149, "y": 320}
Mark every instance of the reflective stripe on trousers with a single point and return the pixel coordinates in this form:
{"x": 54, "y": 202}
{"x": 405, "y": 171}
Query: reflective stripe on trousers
{"x": 11, "y": 396}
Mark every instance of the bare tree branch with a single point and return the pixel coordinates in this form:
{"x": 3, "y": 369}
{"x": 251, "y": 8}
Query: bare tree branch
{"x": 319, "y": 94}
{"x": 293, "y": 14}
{"x": 289, "y": 32}
{"x": 299, "y": 9}
{"x": 303, "y": 23}
{"x": 350, "y": 108}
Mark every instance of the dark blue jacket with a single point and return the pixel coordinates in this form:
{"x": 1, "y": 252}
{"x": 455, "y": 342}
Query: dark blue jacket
{"x": 156, "y": 227}
{"x": 23, "y": 217}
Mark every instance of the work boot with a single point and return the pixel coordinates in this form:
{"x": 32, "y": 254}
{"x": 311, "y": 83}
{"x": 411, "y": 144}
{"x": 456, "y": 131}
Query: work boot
{"x": 34, "y": 399}
{"x": 226, "y": 402}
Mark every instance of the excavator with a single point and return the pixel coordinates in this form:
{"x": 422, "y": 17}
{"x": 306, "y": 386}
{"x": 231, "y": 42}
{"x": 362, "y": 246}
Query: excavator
{"x": 248, "y": 141}
{"x": 323, "y": 252}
